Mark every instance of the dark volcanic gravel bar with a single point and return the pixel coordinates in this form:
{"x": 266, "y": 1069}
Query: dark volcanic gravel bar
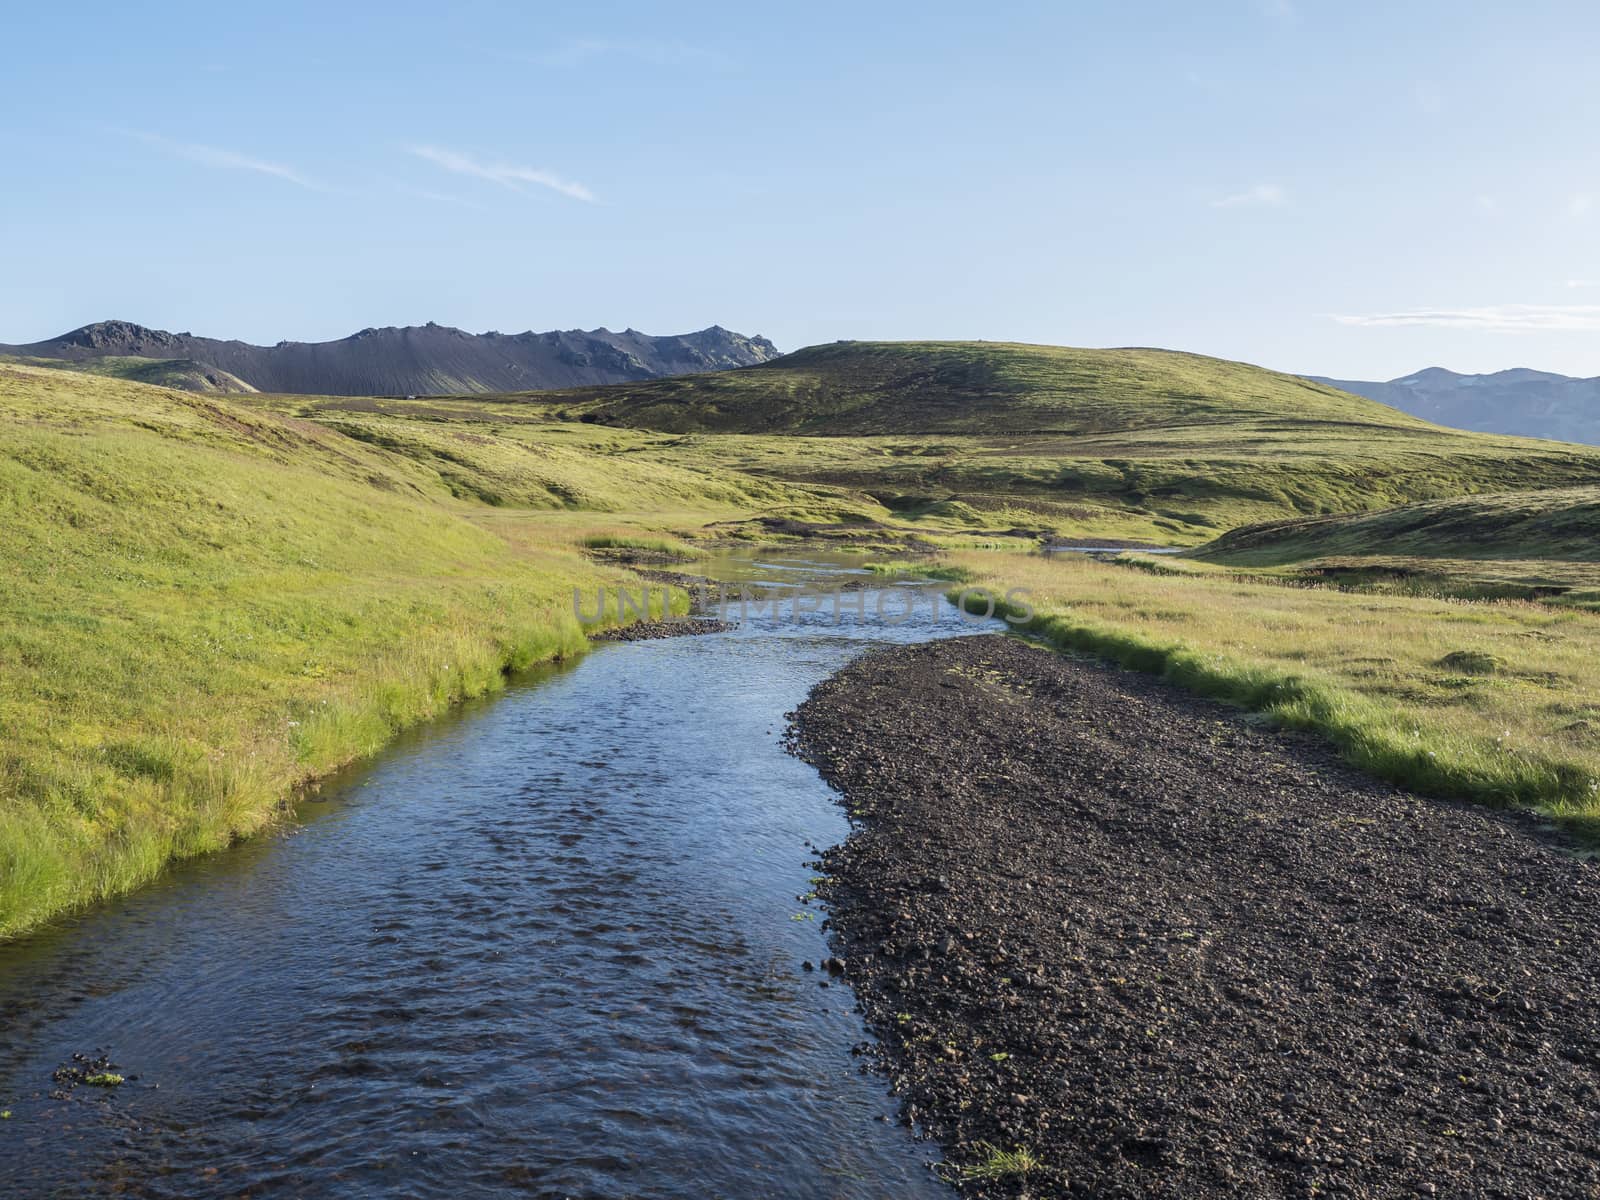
{"x": 1174, "y": 954}
{"x": 645, "y": 631}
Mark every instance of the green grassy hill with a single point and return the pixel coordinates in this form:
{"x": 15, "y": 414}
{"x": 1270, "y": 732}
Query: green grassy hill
{"x": 1144, "y": 444}
{"x": 1559, "y": 524}
{"x": 184, "y": 374}
{"x": 876, "y": 388}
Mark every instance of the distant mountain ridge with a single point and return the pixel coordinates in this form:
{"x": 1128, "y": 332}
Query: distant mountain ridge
{"x": 1519, "y": 401}
{"x": 417, "y": 359}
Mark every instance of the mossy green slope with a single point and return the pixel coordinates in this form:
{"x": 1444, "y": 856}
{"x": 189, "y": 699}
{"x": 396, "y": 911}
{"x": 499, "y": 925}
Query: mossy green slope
{"x": 1146, "y": 444}
{"x": 1560, "y": 524}
{"x": 534, "y": 467}
{"x": 1180, "y": 486}
{"x": 184, "y": 374}
{"x": 865, "y": 388}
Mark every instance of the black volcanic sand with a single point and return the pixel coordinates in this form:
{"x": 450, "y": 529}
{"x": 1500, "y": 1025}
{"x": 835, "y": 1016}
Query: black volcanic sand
{"x": 1174, "y": 954}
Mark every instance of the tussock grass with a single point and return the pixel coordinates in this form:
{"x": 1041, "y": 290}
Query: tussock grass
{"x": 943, "y": 571}
{"x": 999, "y": 1164}
{"x": 1496, "y": 702}
{"x": 656, "y": 544}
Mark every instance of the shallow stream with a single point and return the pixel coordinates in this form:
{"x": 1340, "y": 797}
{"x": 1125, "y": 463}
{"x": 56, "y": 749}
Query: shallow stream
{"x": 549, "y": 946}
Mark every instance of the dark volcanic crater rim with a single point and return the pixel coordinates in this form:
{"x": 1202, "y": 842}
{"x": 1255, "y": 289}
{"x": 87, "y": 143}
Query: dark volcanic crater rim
{"x": 1173, "y": 954}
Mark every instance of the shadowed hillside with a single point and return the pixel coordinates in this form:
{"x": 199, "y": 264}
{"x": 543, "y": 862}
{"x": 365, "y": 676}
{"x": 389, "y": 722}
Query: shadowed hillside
{"x": 1561, "y": 524}
{"x": 977, "y": 388}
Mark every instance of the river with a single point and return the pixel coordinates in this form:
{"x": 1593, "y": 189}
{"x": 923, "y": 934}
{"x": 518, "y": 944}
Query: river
{"x": 549, "y": 946}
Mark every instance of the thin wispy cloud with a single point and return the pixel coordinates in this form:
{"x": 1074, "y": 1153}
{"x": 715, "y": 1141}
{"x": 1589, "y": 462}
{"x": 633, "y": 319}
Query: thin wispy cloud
{"x": 227, "y": 160}
{"x": 507, "y": 175}
{"x": 1488, "y": 204}
{"x": 1497, "y": 318}
{"x": 1277, "y": 10}
{"x": 1263, "y": 195}
{"x": 1583, "y": 283}
{"x": 1581, "y": 205}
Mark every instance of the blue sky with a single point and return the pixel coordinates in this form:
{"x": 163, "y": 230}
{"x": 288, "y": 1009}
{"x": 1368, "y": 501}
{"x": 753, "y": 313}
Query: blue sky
{"x": 1343, "y": 188}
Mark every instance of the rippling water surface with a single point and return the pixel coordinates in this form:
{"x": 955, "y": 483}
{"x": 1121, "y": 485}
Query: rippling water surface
{"x": 551, "y": 946}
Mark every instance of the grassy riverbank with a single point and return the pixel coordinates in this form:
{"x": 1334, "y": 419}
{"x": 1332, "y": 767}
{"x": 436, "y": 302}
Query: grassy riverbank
{"x": 207, "y": 606}
{"x": 1493, "y": 701}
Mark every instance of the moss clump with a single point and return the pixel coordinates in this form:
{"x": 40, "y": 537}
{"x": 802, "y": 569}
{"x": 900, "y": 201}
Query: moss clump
{"x": 1473, "y": 662}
